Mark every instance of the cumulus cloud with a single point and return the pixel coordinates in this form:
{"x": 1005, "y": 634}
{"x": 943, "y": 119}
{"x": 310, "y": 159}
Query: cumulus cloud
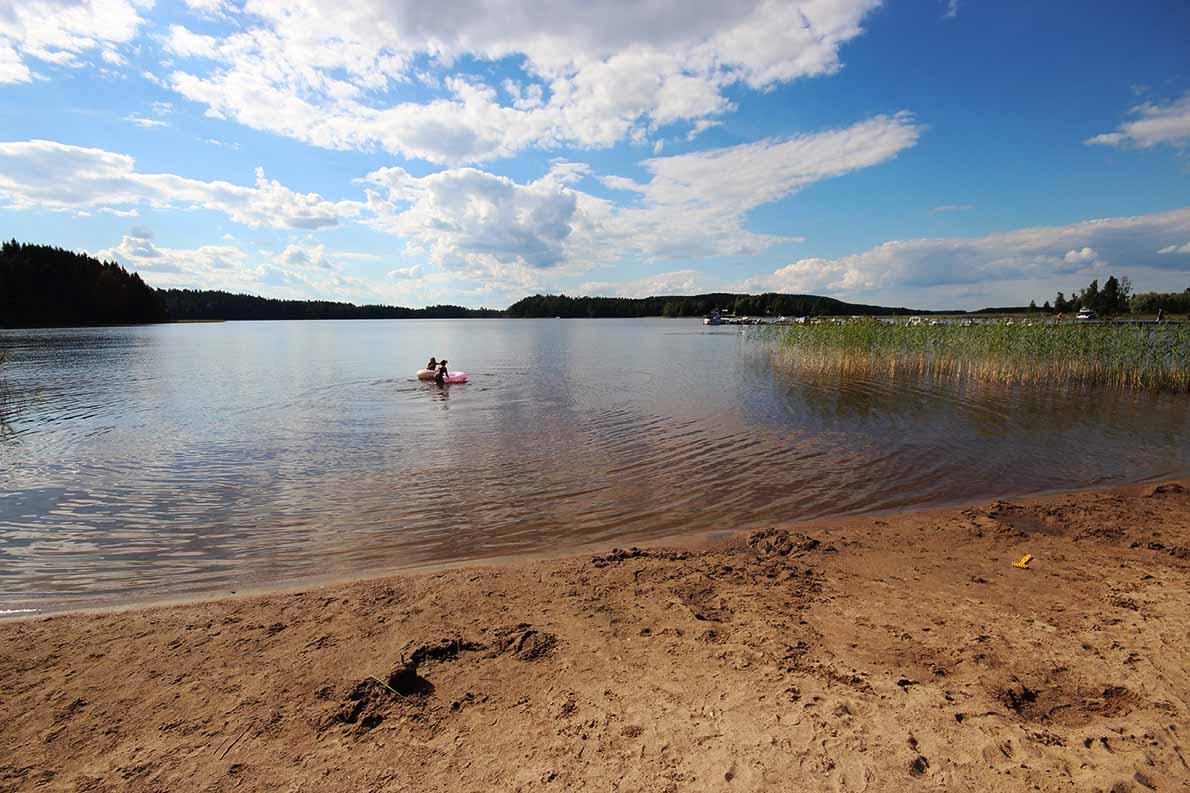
{"x": 589, "y": 77}
{"x": 49, "y": 175}
{"x": 1155, "y": 124}
{"x": 700, "y": 126}
{"x": 63, "y": 31}
{"x": 467, "y": 219}
{"x": 1033, "y": 253}
{"x": 296, "y": 271}
{"x": 210, "y": 8}
{"x": 696, "y": 204}
{"x": 300, "y": 257}
{"x": 1175, "y": 249}
{"x": 1083, "y": 256}
{"x": 678, "y": 282}
{"x": 165, "y": 267}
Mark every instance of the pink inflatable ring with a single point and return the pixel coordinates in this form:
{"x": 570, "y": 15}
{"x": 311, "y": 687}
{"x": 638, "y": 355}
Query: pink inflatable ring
{"x": 453, "y": 377}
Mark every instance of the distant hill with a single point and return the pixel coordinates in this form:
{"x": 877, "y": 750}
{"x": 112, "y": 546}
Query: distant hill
{"x": 195, "y": 304}
{"x": 41, "y": 286}
{"x": 770, "y": 304}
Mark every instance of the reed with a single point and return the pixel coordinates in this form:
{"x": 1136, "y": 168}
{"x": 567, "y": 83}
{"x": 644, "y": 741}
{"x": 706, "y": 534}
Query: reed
{"x": 1129, "y": 355}
{"x": 5, "y": 402}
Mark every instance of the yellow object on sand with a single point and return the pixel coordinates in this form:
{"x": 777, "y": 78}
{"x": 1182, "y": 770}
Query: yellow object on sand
{"x": 1023, "y": 563}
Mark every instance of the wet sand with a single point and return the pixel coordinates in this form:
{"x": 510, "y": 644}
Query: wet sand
{"x": 893, "y": 653}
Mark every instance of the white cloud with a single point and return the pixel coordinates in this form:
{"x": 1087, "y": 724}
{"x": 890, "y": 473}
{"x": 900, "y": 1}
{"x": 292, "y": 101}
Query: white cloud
{"x": 295, "y": 272}
{"x": 952, "y": 9}
{"x": 678, "y": 282}
{"x": 496, "y": 231}
{"x": 184, "y": 43}
{"x": 209, "y": 266}
{"x": 154, "y": 79}
{"x": 49, "y": 175}
{"x": 119, "y": 213}
{"x": 591, "y": 76}
{"x": 952, "y": 208}
{"x": 466, "y": 219}
{"x": 146, "y": 123}
{"x": 696, "y": 204}
{"x": 1156, "y": 124}
{"x": 300, "y": 257}
{"x": 1175, "y": 249}
{"x": 413, "y": 271}
{"x": 1033, "y": 253}
{"x": 210, "y": 8}
{"x": 62, "y": 31}
{"x": 700, "y": 126}
{"x": 12, "y": 69}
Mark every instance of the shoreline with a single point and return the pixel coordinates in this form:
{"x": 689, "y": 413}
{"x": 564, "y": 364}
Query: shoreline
{"x": 875, "y": 652}
{"x": 693, "y": 540}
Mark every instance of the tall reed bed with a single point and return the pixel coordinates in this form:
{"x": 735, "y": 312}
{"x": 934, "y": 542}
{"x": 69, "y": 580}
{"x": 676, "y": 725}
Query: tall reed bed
{"x": 1114, "y": 354}
{"x": 5, "y": 407}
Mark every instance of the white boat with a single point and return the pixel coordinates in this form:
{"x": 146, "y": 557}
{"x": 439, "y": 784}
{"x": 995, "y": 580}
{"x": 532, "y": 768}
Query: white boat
{"x": 714, "y": 318}
{"x": 1086, "y": 315}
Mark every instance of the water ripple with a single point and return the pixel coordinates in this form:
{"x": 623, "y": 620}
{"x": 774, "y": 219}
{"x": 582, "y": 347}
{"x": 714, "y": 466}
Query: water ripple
{"x": 154, "y": 462}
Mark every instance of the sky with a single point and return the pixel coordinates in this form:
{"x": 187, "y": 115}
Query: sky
{"x": 928, "y": 153}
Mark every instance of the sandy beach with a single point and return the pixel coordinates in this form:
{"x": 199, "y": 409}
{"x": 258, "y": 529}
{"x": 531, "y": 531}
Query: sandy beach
{"x": 884, "y": 653}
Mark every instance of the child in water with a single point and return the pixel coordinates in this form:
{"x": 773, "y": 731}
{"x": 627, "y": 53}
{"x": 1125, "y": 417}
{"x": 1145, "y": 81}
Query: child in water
{"x": 433, "y": 364}
{"x": 441, "y": 376}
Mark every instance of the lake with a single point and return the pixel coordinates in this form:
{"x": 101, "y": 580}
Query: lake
{"x": 156, "y": 462}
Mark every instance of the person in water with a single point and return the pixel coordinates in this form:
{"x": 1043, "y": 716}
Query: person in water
{"x": 440, "y": 378}
{"x": 433, "y": 364}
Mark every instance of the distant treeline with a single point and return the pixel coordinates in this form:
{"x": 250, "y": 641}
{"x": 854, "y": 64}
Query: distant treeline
{"x": 45, "y": 286}
{"x": 1115, "y": 297}
{"x": 766, "y": 305}
{"x": 42, "y": 286}
{"x": 195, "y": 304}
{"x": 1169, "y": 302}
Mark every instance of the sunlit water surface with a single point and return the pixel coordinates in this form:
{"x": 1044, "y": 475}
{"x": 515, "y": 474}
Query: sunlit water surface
{"x": 154, "y": 462}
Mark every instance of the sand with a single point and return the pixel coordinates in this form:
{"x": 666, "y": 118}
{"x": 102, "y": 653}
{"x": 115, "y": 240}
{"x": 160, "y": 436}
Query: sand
{"x": 892, "y": 653}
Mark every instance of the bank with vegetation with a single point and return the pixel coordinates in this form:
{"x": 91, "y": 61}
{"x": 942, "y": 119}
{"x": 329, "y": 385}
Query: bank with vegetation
{"x": 770, "y": 304}
{"x": 1144, "y": 356}
{"x": 42, "y": 286}
{"x": 182, "y": 305}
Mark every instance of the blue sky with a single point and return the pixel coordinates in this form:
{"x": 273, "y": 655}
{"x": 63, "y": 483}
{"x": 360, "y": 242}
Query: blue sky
{"x": 934, "y": 154}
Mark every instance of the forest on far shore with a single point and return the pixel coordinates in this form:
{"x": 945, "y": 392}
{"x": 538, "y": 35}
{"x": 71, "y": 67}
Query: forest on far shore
{"x": 43, "y": 286}
{"x": 206, "y": 304}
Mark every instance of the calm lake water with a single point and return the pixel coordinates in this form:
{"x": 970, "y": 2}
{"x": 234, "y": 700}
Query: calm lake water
{"x": 153, "y": 462}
